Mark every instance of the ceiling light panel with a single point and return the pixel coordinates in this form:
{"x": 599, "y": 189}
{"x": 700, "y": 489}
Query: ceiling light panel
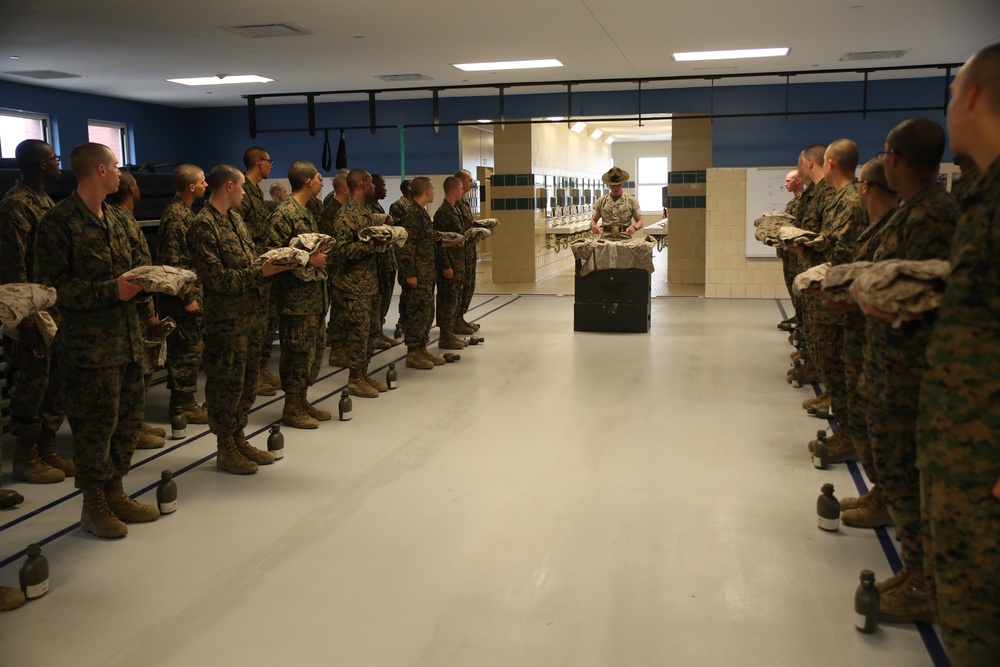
{"x": 221, "y": 80}
{"x": 730, "y": 55}
{"x": 509, "y": 64}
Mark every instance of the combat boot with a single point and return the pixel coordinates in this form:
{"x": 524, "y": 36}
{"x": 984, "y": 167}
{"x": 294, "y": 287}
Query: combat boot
{"x": 96, "y": 518}
{"x": 448, "y": 341}
{"x": 468, "y": 325}
{"x": 261, "y": 457}
{"x": 437, "y": 361}
{"x": 229, "y": 458}
{"x": 823, "y": 405}
{"x": 816, "y": 400}
{"x": 372, "y": 382}
{"x": 414, "y": 359}
{"x": 125, "y": 508}
{"x": 887, "y": 585}
{"x": 872, "y": 514}
{"x": 841, "y": 450}
{"x": 338, "y": 356}
{"x": 47, "y": 452}
{"x": 907, "y": 602}
{"x": 264, "y": 388}
{"x": 852, "y": 503}
{"x": 314, "y": 412}
{"x": 154, "y": 430}
{"x": 10, "y": 598}
{"x": 148, "y": 439}
{"x": 28, "y": 466}
{"x": 384, "y": 342}
{"x": 184, "y": 401}
{"x": 465, "y": 328}
{"x": 269, "y": 377}
{"x": 356, "y": 385}
{"x": 294, "y": 415}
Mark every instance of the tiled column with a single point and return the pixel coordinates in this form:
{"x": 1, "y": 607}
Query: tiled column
{"x": 691, "y": 155}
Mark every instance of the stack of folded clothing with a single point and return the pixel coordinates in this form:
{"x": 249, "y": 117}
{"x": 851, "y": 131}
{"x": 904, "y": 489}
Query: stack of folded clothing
{"x": 474, "y": 235}
{"x": 769, "y": 224}
{"x": 386, "y": 234}
{"x": 163, "y": 279}
{"x": 838, "y": 280}
{"x": 603, "y": 254}
{"x": 486, "y": 223}
{"x": 790, "y": 236}
{"x": 312, "y": 242}
{"x": 25, "y": 305}
{"x": 451, "y": 238}
{"x": 905, "y": 288}
{"x": 809, "y": 278}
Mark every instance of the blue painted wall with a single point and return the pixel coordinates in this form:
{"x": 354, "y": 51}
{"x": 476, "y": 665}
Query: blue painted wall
{"x": 209, "y": 136}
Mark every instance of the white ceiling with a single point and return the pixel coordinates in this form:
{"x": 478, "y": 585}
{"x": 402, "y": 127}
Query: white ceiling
{"x": 129, "y": 49}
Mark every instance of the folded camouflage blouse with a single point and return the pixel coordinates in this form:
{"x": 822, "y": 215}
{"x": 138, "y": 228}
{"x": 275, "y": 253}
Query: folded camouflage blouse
{"x": 474, "y": 235}
{"x": 809, "y": 278}
{"x": 387, "y": 234}
{"x": 602, "y": 254}
{"x": 486, "y": 223}
{"x": 790, "y": 236}
{"x": 162, "y": 279}
{"x": 449, "y": 237}
{"x": 768, "y": 225}
{"x": 905, "y": 288}
{"x": 26, "y": 304}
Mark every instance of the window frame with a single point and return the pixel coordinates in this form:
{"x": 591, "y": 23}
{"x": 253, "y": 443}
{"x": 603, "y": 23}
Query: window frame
{"x": 44, "y": 119}
{"x": 124, "y": 138}
{"x": 639, "y": 183}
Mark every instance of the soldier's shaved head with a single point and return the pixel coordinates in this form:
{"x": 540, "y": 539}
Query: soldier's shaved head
{"x": 222, "y": 174}
{"x": 983, "y": 71}
{"x": 340, "y": 183}
{"x": 125, "y": 183}
{"x": 420, "y": 185}
{"x": 452, "y": 183}
{"x": 844, "y": 153}
{"x": 30, "y": 152}
{"x": 919, "y": 142}
{"x": 356, "y": 177}
{"x": 873, "y": 172}
{"x": 185, "y": 175}
{"x": 252, "y": 155}
{"x": 815, "y": 153}
{"x": 300, "y": 172}
{"x": 87, "y": 156}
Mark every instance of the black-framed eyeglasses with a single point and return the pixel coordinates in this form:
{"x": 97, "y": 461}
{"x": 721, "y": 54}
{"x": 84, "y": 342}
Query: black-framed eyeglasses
{"x": 52, "y": 157}
{"x": 881, "y": 156}
{"x": 875, "y": 184}
{"x": 270, "y": 162}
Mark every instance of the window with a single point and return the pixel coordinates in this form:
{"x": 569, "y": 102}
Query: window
{"x": 112, "y": 135}
{"x": 650, "y": 179}
{"x": 16, "y": 126}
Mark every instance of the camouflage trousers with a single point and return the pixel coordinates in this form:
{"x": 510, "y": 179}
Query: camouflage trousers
{"x": 232, "y": 368}
{"x": 105, "y": 410}
{"x": 449, "y": 296}
{"x": 302, "y": 343}
{"x": 829, "y": 360}
{"x": 363, "y": 326}
{"x": 386, "y": 283}
{"x": 790, "y": 269}
{"x": 857, "y": 398}
{"x": 184, "y": 349}
{"x": 269, "y": 333}
{"x": 961, "y": 538}
{"x": 418, "y": 314}
{"x": 468, "y": 281}
{"x": 35, "y": 392}
{"x": 892, "y": 427}
{"x": 336, "y": 327}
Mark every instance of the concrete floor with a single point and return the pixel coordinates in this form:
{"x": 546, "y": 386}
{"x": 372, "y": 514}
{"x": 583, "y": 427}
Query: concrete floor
{"x": 555, "y": 498}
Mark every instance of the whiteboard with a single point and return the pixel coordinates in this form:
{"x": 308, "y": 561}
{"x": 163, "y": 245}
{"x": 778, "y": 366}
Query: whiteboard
{"x": 765, "y": 193}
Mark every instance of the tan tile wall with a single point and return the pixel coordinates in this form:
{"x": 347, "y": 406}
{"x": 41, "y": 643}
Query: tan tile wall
{"x": 691, "y": 149}
{"x": 729, "y": 273}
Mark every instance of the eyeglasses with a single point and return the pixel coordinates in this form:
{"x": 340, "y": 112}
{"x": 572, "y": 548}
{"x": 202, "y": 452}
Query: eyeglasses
{"x": 881, "y": 156}
{"x": 270, "y": 162}
{"x": 875, "y": 184}
{"x": 50, "y": 158}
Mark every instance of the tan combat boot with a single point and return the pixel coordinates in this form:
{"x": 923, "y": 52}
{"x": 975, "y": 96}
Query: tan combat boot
{"x": 10, "y": 598}
{"x": 125, "y": 508}
{"x": 852, "y": 503}
{"x": 269, "y": 377}
{"x": 437, "y": 361}
{"x": 96, "y": 518}
{"x": 184, "y": 401}
{"x": 294, "y": 415}
{"x": 448, "y": 341}
{"x": 148, "y": 439}
{"x": 229, "y": 458}
{"x": 384, "y": 342}
{"x": 47, "y": 452}
{"x": 28, "y": 466}
{"x": 907, "y": 602}
{"x": 154, "y": 430}
{"x": 887, "y": 585}
{"x": 414, "y": 359}
{"x": 338, "y": 356}
{"x": 261, "y": 457}
{"x": 872, "y": 514}
{"x": 264, "y": 388}
{"x": 313, "y": 411}
{"x": 356, "y": 385}
{"x": 465, "y": 328}
{"x": 840, "y": 449}
{"x": 816, "y": 400}
{"x": 372, "y": 382}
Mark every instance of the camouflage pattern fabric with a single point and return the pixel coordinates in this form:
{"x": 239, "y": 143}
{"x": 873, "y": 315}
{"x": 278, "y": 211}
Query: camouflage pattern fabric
{"x": 449, "y": 290}
{"x": 816, "y": 198}
{"x": 357, "y": 281}
{"x": 21, "y": 210}
{"x": 361, "y": 312}
{"x": 301, "y": 353}
{"x": 416, "y": 259}
{"x": 922, "y": 228}
{"x": 335, "y": 327}
{"x": 958, "y": 447}
{"x": 254, "y": 213}
{"x": 315, "y": 206}
{"x": 235, "y": 307}
{"x": 387, "y": 267}
{"x": 963, "y": 186}
{"x": 471, "y": 258}
{"x": 616, "y": 212}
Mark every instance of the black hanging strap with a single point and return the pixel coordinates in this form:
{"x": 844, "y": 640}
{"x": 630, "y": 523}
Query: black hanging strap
{"x": 327, "y": 159}
{"x": 342, "y": 152}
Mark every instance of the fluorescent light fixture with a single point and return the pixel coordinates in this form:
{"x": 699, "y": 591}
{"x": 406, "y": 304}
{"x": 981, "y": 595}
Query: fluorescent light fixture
{"x": 554, "y": 119}
{"x": 484, "y": 120}
{"x": 596, "y": 134}
{"x": 578, "y": 127}
{"x": 509, "y": 64}
{"x": 609, "y": 140}
{"x": 730, "y": 55}
{"x": 221, "y": 80}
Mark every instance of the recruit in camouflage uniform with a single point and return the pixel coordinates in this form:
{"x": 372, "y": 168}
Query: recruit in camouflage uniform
{"x": 448, "y": 218}
{"x": 416, "y": 261}
{"x": 819, "y": 196}
{"x": 186, "y": 343}
{"x": 335, "y": 327}
{"x": 36, "y": 409}
{"x": 963, "y": 186}
{"x": 789, "y": 260}
{"x": 235, "y": 303}
{"x": 958, "y": 448}
{"x": 302, "y": 306}
{"x": 386, "y": 281}
{"x": 357, "y": 282}
{"x": 922, "y": 228}
{"x": 99, "y": 344}
{"x": 463, "y": 326}
{"x": 397, "y": 210}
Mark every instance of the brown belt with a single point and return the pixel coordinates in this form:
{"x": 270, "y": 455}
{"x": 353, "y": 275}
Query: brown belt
{"x": 614, "y": 229}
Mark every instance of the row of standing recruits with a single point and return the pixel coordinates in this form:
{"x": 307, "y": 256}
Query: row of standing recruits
{"x": 85, "y": 246}
{"x": 917, "y": 404}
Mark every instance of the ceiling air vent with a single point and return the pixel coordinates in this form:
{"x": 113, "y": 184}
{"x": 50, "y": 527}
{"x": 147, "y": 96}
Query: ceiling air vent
{"x": 873, "y": 55}
{"x": 395, "y": 78}
{"x": 44, "y": 74}
{"x": 267, "y": 30}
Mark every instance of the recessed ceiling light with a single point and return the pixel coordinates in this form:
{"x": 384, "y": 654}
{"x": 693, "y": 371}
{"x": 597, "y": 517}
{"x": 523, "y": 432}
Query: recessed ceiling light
{"x": 554, "y": 119}
{"x": 221, "y": 80}
{"x": 484, "y": 120}
{"x": 609, "y": 140}
{"x": 15, "y": 57}
{"x": 578, "y": 127}
{"x": 509, "y": 64}
{"x": 730, "y": 55}
{"x": 596, "y": 134}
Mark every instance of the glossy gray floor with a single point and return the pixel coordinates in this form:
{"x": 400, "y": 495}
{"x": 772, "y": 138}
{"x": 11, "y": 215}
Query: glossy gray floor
{"x": 555, "y": 498}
